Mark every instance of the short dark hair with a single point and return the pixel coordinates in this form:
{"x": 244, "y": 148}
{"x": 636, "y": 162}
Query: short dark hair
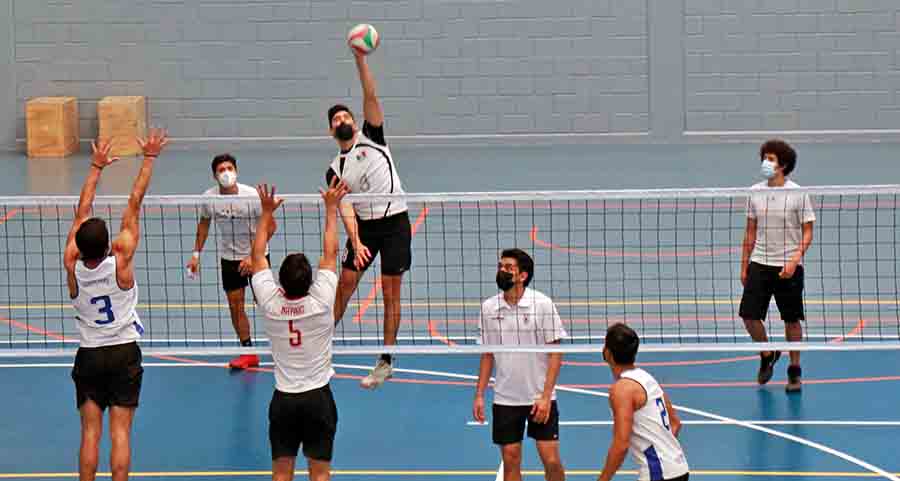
{"x": 92, "y": 239}
{"x": 523, "y": 260}
{"x": 787, "y": 156}
{"x": 622, "y": 342}
{"x": 221, "y": 159}
{"x": 295, "y": 275}
{"x": 335, "y": 109}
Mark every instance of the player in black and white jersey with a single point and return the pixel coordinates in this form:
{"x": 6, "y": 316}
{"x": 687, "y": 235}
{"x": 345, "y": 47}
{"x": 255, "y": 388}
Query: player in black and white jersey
{"x": 365, "y": 163}
{"x": 300, "y": 325}
{"x": 100, "y": 277}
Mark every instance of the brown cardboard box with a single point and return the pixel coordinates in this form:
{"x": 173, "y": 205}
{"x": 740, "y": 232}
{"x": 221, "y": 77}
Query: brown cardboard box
{"x": 122, "y": 119}
{"x": 51, "y": 125}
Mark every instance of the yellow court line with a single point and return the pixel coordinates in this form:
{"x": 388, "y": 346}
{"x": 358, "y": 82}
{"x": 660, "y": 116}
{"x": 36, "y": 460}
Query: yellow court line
{"x": 186, "y": 474}
{"x": 437, "y": 304}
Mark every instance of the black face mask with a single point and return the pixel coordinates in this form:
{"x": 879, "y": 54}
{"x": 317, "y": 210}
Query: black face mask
{"x": 344, "y": 132}
{"x": 505, "y": 281}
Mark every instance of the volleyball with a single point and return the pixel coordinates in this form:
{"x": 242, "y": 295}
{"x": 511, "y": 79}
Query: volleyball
{"x": 363, "y": 38}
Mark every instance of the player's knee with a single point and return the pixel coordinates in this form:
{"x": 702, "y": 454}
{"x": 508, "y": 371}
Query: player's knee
{"x": 119, "y": 469}
{"x": 512, "y": 455}
{"x": 553, "y": 467}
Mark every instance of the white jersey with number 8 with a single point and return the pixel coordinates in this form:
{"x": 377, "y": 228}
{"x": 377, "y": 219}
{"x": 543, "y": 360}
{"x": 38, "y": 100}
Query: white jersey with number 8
{"x": 105, "y": 312}
{"x": 301, "y": 330}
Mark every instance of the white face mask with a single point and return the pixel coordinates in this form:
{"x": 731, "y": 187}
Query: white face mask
{"x": 228, "y": 178}
{"x": 767, "y": 169}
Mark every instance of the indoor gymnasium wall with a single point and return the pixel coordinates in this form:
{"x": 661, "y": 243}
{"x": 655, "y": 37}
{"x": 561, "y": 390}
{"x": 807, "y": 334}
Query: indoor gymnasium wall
{"x": 619, "y": 70}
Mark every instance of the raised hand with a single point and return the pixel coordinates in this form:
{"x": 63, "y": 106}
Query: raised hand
{"x": 101, "y": 157}
{"x": 267, "y": 198}
{"x": 154, "y": 143}
{"x": 336, "y": 191}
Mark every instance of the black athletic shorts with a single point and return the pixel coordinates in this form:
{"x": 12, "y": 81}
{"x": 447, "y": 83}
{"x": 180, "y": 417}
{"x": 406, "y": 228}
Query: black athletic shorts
{"x": 509, "y": 424}
{"x": 308, "y": 418}
{"x": 762, "y": 283}
{"x": 231, "y": 275}
{"x": 390, "y": 236}
{"x": 108, "y": 375}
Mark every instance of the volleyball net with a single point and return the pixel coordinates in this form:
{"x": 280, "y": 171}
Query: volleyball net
{"x": 667, "y": 262}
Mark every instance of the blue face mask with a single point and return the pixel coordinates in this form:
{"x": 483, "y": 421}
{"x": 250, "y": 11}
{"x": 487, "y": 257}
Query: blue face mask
{"x": 767, "y": 169}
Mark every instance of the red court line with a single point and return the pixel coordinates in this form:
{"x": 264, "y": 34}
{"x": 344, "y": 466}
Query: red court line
{"x": 615, "y": 253}
{"x": 850, "y": 380}
{"x": 9, "y": 215}
{"x": 373, "y": 293}
{"x": 703, "y": 362}
{"x": 433, "y": 332}
{"x": 856, "y": 330}
{"x": 337, "y": 376}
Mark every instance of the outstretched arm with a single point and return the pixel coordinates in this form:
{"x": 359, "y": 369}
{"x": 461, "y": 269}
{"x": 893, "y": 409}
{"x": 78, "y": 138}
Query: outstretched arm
{"x": 126, "y": 243}
{"x": 265, "y": 227}
{"x": 371, "y": 107}
{"x": 332, "y": 197}
{"x": 99, "y": 161}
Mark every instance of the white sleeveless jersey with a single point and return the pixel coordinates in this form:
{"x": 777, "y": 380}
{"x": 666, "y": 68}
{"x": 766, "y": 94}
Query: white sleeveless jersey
{"x": 368, "y": 168}
{"x": 106, "y": 313}
{"x": 653, "y": 446}
{"x": 300, "y": 330}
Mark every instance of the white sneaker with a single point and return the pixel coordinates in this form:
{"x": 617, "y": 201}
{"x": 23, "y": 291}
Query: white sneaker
{"x": 382, "y": 372}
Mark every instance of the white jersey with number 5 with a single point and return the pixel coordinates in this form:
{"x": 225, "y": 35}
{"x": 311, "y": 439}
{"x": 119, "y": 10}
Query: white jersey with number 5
{"x": 300, "y": 330}
{"x": 105, "y": 312}
{"x": 653, "y": 446}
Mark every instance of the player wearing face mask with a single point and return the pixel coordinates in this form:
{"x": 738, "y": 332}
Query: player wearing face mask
{"x": 525, "y": 388}
{"x": 236, "y": 225}
{"x": 778, "y": 233}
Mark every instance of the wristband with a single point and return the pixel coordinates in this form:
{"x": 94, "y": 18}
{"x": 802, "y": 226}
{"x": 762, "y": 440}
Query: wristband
{"x": 196, "y": 255}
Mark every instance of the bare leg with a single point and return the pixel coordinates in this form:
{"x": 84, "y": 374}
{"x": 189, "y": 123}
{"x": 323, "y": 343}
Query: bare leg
{"x": 794, "y": 333}
{"x": 239, "y": 319}
{"x": 345, "y": 289}
{"x": 319, "y": 470}
{"x": 283, "y": 468}
{"x": 391, "y": 286}
{"x": 91, "y": 430}
{"x": 120, "y": 419}
{"x": 512, "y": 461}
{"x": 549, "y": 453}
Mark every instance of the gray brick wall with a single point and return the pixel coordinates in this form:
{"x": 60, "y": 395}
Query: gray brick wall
{"x": 792, "y": 64}
{"x": 270, "y": 68}
{"x": 232, "y": 68}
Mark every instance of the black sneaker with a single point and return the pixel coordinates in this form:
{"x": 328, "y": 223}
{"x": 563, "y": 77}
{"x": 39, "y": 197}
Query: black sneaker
{"x": 767, "y": 366}
{"x": 794, "y": 384}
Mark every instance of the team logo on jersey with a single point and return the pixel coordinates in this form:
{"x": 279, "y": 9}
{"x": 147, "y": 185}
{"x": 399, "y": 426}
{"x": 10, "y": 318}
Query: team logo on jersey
{"x": 525, "y": 318}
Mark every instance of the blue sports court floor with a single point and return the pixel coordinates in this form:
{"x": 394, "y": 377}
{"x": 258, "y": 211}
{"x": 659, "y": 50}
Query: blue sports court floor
{"x": 197, "y": 420}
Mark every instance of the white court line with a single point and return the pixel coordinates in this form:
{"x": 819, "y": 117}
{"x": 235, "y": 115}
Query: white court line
{"x": 789, "y": 437}
{"x": 705, "y": 414}
{"x": 775, "y": 422}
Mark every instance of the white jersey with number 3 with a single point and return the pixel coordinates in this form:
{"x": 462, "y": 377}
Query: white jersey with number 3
{"x": 105, "y": 312}
{"x": 653, "y": 446}
{"x": 300, "y": 330}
